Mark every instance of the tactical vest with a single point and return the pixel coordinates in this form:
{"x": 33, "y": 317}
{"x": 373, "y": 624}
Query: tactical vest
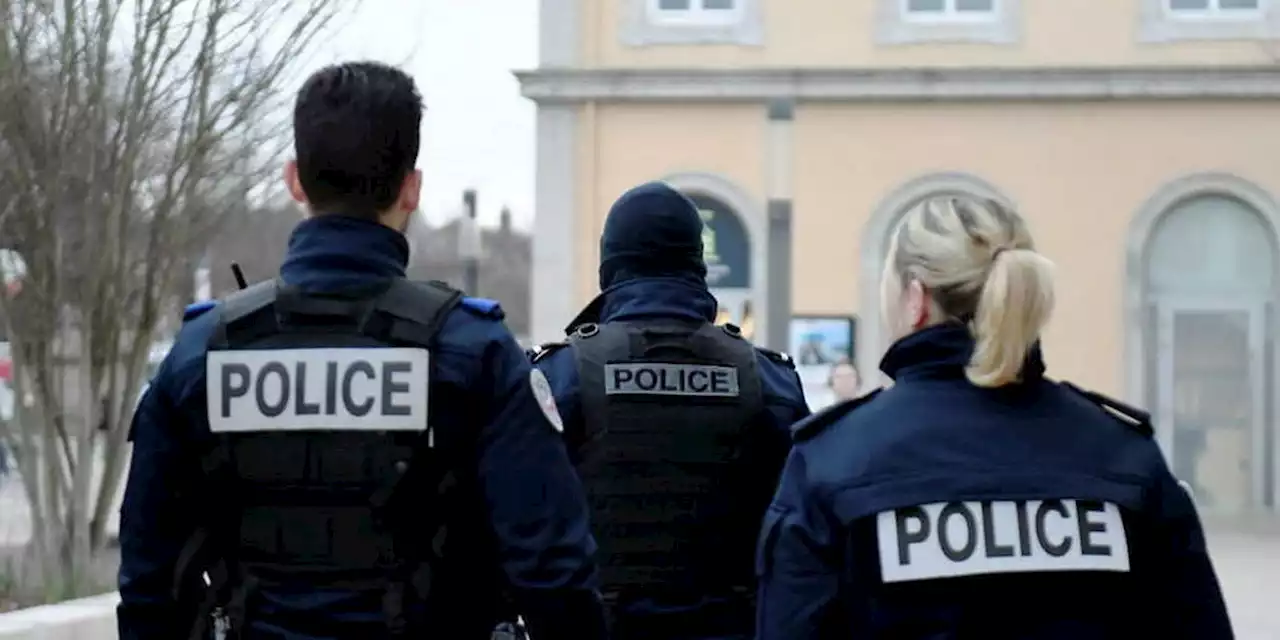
{"x": 667, "y": 406}
{"x": 318, "y": 408}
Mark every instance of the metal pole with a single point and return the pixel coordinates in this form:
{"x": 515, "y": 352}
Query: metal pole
{"x": 469, "y": 248}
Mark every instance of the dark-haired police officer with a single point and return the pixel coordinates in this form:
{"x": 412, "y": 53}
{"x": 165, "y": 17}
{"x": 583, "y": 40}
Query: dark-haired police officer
{"x": 348, "y": 454}
{"x": 976, "y": 498}
{"x": 678, "y": 427}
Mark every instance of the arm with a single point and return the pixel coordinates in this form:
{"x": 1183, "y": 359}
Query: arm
{"x": 155, "y": 519}
{"x": 1184, "y": 572}
{"x": 537, "y": 506}
{"x": 798, "y": 582}
{"x": 562, "y": 373}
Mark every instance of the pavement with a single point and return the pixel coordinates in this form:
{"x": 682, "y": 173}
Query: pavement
{"x": 1247, "y": 561}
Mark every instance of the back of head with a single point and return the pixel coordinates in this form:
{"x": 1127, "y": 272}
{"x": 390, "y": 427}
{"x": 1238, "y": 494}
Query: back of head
{"x": 651, "y": 231}
{"x": 356, "y": 135}
{"x": 977, "y": 264}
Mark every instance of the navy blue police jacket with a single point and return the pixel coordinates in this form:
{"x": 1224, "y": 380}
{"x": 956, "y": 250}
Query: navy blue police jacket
{"x": 938, "y": 509}
{"x": 670, "y": 298}
{"x": 533, "y": 498}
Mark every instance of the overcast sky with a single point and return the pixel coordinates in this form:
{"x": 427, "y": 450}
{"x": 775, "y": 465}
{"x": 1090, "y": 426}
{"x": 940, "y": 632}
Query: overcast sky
{"x": 478, "y": 132}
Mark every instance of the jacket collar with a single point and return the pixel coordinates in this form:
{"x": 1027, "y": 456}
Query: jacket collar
{"x": 335, "y": 250}
{"x": 943, "y": 351}
{"x": 645, "y": 298}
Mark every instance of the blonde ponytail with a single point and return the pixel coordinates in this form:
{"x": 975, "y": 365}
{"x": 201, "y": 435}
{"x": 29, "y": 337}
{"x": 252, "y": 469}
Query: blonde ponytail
{"x": 1013, "y": 308}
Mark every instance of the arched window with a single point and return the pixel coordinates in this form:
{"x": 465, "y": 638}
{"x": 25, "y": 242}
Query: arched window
{"x": 1209, "y": 281}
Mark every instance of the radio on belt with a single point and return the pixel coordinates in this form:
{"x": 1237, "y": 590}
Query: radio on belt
{"x": 318, "y": 389}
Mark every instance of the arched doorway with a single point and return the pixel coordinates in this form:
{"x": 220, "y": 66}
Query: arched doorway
{"x": 1209, "y": 287}
{"x": 872, "y": 338}
{"x": 727, "y": 252}
{"x": 735, "y": 228}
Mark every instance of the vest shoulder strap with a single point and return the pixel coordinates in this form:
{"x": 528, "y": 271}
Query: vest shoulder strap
{"x": 1126, "y": 414}
{"x": 246, "y": 311}
{"x": 815, "y": 424}
{"x": 417, "y": 310}
{"x": 246, "y": 301}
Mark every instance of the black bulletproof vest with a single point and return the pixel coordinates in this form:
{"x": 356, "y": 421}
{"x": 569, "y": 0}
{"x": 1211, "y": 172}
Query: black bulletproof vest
{"x": 318, "y": 508}
{"x": 667, "y": 406}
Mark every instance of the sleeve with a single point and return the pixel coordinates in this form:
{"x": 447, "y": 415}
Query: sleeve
{"x": 563, "y": 377}
{"x": 798, "y": 577}
{"x": 156, "y": 519}
{"x": 536, "y": 503}
{"x": 1184, "y": 571}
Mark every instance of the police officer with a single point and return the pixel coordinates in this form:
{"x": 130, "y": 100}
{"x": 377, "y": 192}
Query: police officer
{"x": 976, "y": 498}
{"x": 345, "y": 453}
{"x": 678, "y": 427}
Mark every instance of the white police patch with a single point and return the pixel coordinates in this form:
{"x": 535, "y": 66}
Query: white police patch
{"x": 944, "y": 540}
{"x": 546, "y": 399}
{"x": 329, "y": 389}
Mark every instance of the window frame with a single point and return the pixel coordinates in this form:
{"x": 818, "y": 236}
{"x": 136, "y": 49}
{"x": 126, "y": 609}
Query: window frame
{"x": 643, "y": 24}
{"x": 1214, "y": 12}
{"x": 1158, "y": 22}
{"x": 695, "y": 16}
{"x": 949, "y": 14}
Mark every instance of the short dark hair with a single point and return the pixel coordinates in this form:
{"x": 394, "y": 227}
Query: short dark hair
{"x": 356, "y": 134}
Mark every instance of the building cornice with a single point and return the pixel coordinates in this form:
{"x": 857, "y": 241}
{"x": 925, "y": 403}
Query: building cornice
{"x": 558, "y": 85}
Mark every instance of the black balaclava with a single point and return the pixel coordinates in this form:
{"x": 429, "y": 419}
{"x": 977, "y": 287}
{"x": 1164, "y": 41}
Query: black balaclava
{"x": 652, "y": 231}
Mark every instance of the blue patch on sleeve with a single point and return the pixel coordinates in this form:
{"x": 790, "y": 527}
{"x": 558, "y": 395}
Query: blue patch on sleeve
{"x": 484, "y": 306}
{"x": 195, "y": 309}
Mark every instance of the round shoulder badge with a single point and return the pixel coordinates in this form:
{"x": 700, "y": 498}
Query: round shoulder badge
{"x": 546, "y": 399}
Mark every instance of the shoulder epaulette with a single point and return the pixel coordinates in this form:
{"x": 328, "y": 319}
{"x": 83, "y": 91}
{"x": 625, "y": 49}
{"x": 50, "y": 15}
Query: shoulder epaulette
{"x": 484, "y": 307}
{"x": 1130, "y": 416}
{"x": 817, "y": 423}
{"x": 778, "y": 357}
{"x": 197, "y": 309}
{"x": 545, "y": 349}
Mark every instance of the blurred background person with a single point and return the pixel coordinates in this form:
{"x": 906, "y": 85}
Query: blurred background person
{"x": 844, "y": 381}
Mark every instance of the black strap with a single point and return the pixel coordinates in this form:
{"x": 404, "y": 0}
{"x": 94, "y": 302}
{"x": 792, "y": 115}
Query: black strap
{"x": 246, "y": 315}
{"x": 417, "y": 311}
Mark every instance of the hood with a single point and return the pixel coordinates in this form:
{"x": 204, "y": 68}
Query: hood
{"x": 652, "y": 231}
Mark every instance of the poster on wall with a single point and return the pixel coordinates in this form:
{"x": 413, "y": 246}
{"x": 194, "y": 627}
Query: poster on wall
{"x": 817, "y": 343}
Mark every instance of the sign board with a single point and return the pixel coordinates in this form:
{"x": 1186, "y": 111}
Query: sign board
{"x": 726, "y": 247}
{"x": 817, "y": 343}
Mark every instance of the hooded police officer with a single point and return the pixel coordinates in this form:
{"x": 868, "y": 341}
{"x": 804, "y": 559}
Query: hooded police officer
{"x": 977, "y": 498}
{"x": 346, "y": 453}
{"x": 678, "y": 427}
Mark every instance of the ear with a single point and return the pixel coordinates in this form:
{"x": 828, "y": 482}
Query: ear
{"x": 292, "y": 182}
{"x": 917, "y": 305}
{"x": 410, "y": 192}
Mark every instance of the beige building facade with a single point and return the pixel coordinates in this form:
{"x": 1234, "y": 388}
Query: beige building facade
{"x": 1141, "y": 139}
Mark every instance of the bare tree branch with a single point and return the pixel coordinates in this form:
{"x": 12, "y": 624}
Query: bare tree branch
{"x": 128, "y": 134}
